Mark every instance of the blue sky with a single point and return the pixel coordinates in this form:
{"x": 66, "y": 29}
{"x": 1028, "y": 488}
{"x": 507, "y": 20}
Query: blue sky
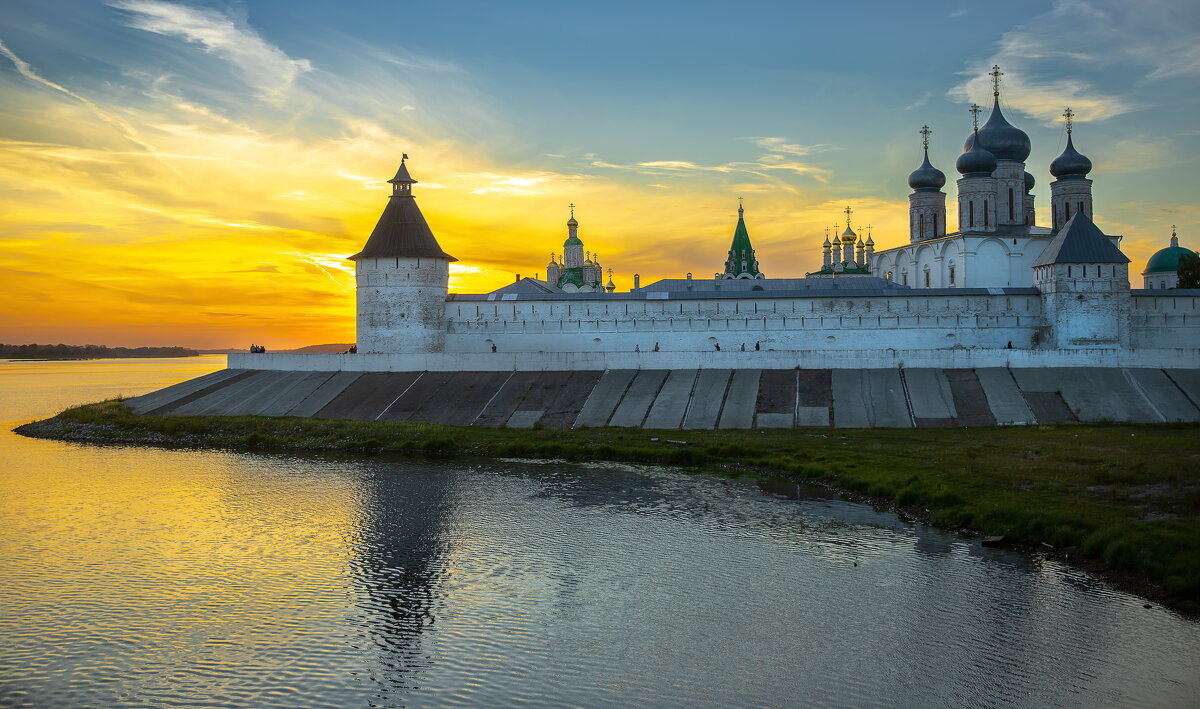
{"x": 207, "y": 123}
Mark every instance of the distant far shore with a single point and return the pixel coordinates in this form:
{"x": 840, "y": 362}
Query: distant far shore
{"x": 70, "y": 352}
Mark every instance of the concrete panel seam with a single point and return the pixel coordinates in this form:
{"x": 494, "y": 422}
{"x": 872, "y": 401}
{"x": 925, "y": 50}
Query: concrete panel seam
{"x": 489, "y": 401}
{"x": 1142, "y": 392}
{"x": 410, "y": 386}
{"x": 1181, "y": 389}
{"x": 907, "y": 404}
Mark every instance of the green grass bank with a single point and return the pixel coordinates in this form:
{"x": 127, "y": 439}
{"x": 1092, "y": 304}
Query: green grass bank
{"x": 1121, "y": 499}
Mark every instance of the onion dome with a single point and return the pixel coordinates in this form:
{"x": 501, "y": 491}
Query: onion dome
{"x": 826, "y": 245}
{"x": 1071, "y": 165}
{"x": 848, "y": 236}
{"x": 572, "y": 222}
{"x": 976, "y": 160}
{"x": 553, "y": 263}
{"x": 926, "y": 178}
{"x": 1029, "y": 182}
{"x": 1167, "y": 260}
{"x": 1001, "y": 138}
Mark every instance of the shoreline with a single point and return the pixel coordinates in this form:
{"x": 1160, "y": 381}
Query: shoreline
{"x": 1119, "y": 501}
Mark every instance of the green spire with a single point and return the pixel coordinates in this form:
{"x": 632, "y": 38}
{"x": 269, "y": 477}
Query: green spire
{"x": 741, "y": 250}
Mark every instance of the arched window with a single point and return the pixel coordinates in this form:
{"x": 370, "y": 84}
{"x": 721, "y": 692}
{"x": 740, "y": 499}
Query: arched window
{"x": 986, "y": 221}
{"x": 905, "y": 277}
{"x": 1010, "y": 204}
{"x": 971, "y": 205}
{"x": 951, "y": 274}
{"x": 926, "y": 278}
{"x": 921, "y": 227}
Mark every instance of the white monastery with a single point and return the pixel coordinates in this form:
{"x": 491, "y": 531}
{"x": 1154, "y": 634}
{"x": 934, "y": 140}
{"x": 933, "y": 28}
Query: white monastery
{"x": 999, "y": 281}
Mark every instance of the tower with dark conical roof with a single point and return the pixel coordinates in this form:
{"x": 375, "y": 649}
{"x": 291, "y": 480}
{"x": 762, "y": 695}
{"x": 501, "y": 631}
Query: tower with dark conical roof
{"x": 741, "y": 261}
{"x": 402, "y": 276}
{"x": 1084, "y": 281}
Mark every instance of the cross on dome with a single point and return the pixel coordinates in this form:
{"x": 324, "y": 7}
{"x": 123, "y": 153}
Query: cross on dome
{"x": 1070, "y": 116}
{"x": 925, "y": 137}
{"x": 975, "y": 109}
{"x": 572, "y": 206}
{"x": 848, "y": 211}
{"x": 995, "y": 73}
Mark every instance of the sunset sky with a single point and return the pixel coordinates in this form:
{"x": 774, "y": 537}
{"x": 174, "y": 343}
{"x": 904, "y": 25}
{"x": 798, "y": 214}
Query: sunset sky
{"x": 194, "y": 173}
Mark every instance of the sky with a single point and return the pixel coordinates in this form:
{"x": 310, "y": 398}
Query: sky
{"x": 195, "y": 173}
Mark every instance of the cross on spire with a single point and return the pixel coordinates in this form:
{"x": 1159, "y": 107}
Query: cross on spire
{"x": 975, "y": 109}
{"x": 925, "y": 137}
{"x": 1070, "y": 116}
{"x": 848, "y": 211}
{"x": 572, "y": 206}
{"x": 1172, "y": 231}
{"x": 995, "y": 73}
{"x": 740, "y": 206}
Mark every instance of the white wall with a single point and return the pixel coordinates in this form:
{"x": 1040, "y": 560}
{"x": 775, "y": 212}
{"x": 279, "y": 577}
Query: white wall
{"x": 832, "y": 359}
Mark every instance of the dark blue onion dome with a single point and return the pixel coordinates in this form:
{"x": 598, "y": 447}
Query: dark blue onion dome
{"x": 1071, "y": 165}
{"x": 1029, "y": 182}
{"x": 926, "y": 178}
{"x": 1001, "y": 138}
{"x": 976, "y": 160}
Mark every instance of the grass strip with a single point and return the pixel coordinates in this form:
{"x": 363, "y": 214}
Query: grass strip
{"x": 1124, "y": 499}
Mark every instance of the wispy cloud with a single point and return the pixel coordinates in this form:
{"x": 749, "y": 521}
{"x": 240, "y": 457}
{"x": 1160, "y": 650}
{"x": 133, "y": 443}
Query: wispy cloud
{"x": 121, "y": 125}
{"x": 263, "y": 65}
{"x": 1151, "y": 41}
{"x": 919, "y": 102}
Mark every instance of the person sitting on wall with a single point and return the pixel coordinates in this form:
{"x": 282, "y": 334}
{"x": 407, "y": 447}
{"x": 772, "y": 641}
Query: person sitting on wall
{"x": 757, "y": 345}
{"x": 637, "y": 348}
{"x": 743, "y": 347}
{"x": 656, "y": 347}
{"x": 493, "y": 347}
{"x": 353, "y": 349}
{"x": 717, "y": 346}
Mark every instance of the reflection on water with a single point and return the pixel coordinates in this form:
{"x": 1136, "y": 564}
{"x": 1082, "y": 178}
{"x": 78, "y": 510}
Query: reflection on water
{"x": 142, "y": 577}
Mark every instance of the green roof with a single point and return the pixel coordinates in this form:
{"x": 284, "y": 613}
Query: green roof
{"x": 741, "y": 248}
{"x": 1167, "y": 260}
{"x": 572, "y": 241}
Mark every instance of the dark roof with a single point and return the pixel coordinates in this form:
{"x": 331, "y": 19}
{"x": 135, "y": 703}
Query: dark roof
{"x": 402, "y": 232}
{"x": 1080, "y": 241}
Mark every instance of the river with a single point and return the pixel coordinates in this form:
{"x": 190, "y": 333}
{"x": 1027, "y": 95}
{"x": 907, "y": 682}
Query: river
{"x": 142, "y": 577}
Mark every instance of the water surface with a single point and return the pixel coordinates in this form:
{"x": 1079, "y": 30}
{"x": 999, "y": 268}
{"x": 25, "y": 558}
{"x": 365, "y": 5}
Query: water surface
{"x": 144, "y": 577}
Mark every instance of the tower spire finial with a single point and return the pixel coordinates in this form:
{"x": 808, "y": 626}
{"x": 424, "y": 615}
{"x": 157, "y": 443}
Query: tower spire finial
{"x": 925, "y": 137}
{"x": 848, "y": 211}
{"x": 975, "y": 109}
{"x": 1070, "y": 116}
{"x": 741, "y": 207}
{"x": 995, "y": 73}
{"x": 572, "y": 206}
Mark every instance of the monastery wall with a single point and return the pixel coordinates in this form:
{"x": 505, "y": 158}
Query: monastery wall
{"x": 881, "y": 358}
{"x": 616, "y": 324}
{"x": 1165, "y": 319}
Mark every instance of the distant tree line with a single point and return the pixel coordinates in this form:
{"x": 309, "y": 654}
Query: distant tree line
{"x": 89, "y": 352}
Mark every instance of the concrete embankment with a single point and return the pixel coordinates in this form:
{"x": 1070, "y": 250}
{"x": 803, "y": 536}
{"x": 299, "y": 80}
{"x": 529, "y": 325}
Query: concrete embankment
{"x": 698, "y": 398}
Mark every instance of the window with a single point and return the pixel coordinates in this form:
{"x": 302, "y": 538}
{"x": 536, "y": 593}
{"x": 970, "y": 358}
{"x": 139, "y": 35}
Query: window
{"x": 972, "y": 210}
{"x": 985, "y": 213}
{"x": 927, "y": 279}
{"x": 1080, "y": 209}
{"x": 952, "y": 274}
{"x": 905, "y": 277}
{"x": 935, "y": 231}
{"x": 1162, "y": 284}
{"x": 921, "y": 227}
{"x": 1010, "y": 204}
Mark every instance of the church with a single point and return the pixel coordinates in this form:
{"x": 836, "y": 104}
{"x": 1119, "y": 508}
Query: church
{"x": 999, "y": 281}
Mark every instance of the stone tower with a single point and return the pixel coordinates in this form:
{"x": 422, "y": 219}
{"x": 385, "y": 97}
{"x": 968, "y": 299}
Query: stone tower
{"x": 402, "y": 276}
{"x": 1071, "y": 190}
{"x": 927, "y": 203}
{"x": 1084, "y": 280}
